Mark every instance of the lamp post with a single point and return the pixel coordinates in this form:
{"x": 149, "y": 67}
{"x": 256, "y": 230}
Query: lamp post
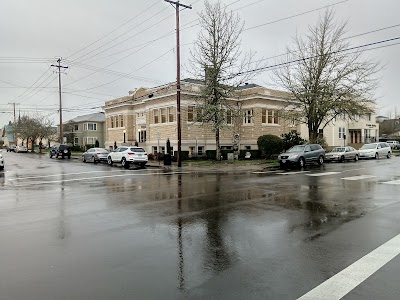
{"x": 124, "y": 135}
{"x": 139, "y": 138}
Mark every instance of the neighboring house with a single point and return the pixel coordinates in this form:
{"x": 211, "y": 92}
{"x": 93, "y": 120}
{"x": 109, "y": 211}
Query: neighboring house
{"x": 7, "y": 135}
{"x": 364, "y": 129}
{"x": 148, "y": 117}
{"x": 390, "y": 128}
{"x": 86, "y": 130}
{"x": 380, "y": 119}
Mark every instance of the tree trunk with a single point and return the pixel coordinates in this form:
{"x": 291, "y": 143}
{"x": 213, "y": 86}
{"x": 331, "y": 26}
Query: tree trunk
{"x": 313, "y": 135}
{"x": 218, "y": 146}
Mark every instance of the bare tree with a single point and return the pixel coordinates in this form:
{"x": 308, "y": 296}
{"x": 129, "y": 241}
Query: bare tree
{"x": 218, "y": 61}
{"x": 326, "y": 79}
{"x": 46, "y": 131}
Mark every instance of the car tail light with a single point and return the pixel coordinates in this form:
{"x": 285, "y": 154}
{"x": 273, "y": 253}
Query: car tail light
{"x": 98, "y": 152}
{"x": 131, "y": 153}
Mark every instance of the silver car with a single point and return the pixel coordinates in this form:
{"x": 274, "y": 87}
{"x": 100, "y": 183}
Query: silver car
{"x": 375, "y": 150}
{"x": 21, "y": 148}
{"x": 95, "y": 155}
{"x": 342, "y": 154}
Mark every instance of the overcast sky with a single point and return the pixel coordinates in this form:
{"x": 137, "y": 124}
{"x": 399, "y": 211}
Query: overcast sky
{"x": 100, "y": 38}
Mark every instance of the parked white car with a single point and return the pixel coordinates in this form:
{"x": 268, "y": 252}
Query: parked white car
{"x": 1, "y": 161}
{"x": 127, "y": 155}
{"x": 394, "y": 144}
{"x": 375, "y": 150}
{"x": 21, "y": 148}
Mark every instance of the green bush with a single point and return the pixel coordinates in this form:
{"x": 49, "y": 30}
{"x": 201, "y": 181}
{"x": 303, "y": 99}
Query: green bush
{"x": 211, "y": 154}
{"x": 88, "y": 146}
{"x": 269, "y": 145}
{"x": 76, "y": 148}
{"x": 291, "y": 139}
{"x": 322, "y": 142}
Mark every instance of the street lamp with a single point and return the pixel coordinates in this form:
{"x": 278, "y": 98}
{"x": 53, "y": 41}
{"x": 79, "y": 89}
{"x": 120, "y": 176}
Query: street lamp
{"x": 139, "y": 137}
{"x": 124, "y": 135}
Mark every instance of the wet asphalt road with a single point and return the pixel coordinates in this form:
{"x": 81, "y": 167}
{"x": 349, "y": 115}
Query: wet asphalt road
{"x": 70, "y": 230}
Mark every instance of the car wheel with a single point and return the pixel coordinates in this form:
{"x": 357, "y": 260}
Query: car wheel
{"x": 1, "y": 167}
{"x": 69, "y": 156}
{"x": 321, "y": 160}
{"x": 302, "y": 162}
{"x": 342, "y": 159}
{"x": 83, "y": 159}
{"x": 143, "y": 165}
{"x": 389, "y": 155}
{"x": 124, "y": 163}
{"x": 356, "y": 158}
{"x": 109, "y": 161}
{"x": 95, "y": 161}
{"x": 376, "y": 156}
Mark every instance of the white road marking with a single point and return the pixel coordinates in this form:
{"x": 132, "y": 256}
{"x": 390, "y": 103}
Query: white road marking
{"x": 97, "y": 177}
{"x": 360, "y": 177}
{"x": 346, "y": 280}
{"x": 392, "y": 182}
{"x": 291, "y": 173}
{"x": 62, "y": 174}
{"x": 353, "y": 170}
{"x": 324, "y": 174}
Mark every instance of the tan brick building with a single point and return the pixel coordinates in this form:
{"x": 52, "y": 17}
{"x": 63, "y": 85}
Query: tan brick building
{"x": 148, "y": 117}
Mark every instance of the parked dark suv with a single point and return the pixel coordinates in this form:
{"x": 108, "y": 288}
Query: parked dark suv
{"x": 302, "y": 154}
{"x": 61, "y": 150}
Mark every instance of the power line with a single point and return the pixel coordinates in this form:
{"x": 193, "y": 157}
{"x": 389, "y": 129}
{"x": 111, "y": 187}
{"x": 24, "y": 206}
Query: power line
{"x": 19, "y": 96}
{"x": 311, "y": 57}
{"x": 296, "y": 15}
{"x": 104, "y": 36}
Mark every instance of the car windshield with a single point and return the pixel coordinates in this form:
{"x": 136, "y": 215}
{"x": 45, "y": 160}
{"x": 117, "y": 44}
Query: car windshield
{"x": 338, "y": 149}
{"x": 368, "y": 146}
{"x": 101, "y": 150}
{"x": 298, "y": 148}
{"x": 137, "y": 150}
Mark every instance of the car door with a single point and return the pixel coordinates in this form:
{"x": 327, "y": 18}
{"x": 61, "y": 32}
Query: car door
{"x": 114, "y": 154}
{"x": 307, "y": 153}
{"x": 382, "y": 149}
{"x": 348, "y": 154}
{"x": 121, "y": 153}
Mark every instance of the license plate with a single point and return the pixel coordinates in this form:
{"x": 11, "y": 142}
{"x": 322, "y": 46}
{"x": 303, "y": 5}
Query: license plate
{"x": 139, "y": 154}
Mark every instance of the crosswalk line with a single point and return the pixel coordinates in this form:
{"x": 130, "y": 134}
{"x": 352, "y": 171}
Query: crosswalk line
{"x": 392, "y": 182}
{"x": 323, "y": 174}
{"x": 291, "y": 173}
{"x": 359, "y": 177}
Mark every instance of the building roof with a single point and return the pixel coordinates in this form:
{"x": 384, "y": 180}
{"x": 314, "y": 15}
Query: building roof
{"x": 95, "y": 117}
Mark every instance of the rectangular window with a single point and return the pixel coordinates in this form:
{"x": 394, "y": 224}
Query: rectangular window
{"x": 264, "y": 116}
{"x": 116, "y": 122}
{"x": 247, "y": 147}
{"x": 156, "y": 116}
{"x": 162, "y": 149}
{"x": 229, "y": 117}
{"x": 341, "y": 132}
{"x": 155, "y": 149}
{"x": 76, "y": 141}
{"x": 163, "y": 112}
{"x": 200, "y": 150}
{"x": 190, "y": 115}
{"x": 90, "y": 126}
{"x": 248, "y": 117}
{"x": 121, "y": 121}
{"x": 171, "y": 112}
{"x": 76, "y": 127}
{"x": 112, "y": 122}
{"x": 369, "y": 117}
{"x": 320, "y": 133}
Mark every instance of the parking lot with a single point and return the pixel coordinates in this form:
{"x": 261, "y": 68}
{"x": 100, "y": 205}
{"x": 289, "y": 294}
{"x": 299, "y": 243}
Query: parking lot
{"x": 89, "y": 231}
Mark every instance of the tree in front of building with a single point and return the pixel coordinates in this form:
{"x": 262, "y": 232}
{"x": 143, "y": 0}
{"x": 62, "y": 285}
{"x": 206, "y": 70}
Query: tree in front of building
{"x": 218, "y": 61}
{"x": 326, "y": 77}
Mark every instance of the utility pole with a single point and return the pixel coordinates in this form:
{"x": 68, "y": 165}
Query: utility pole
{"x": 178, "y": 77}
{"x": 15, "y": 121}
{"x": 59, "y": 66}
